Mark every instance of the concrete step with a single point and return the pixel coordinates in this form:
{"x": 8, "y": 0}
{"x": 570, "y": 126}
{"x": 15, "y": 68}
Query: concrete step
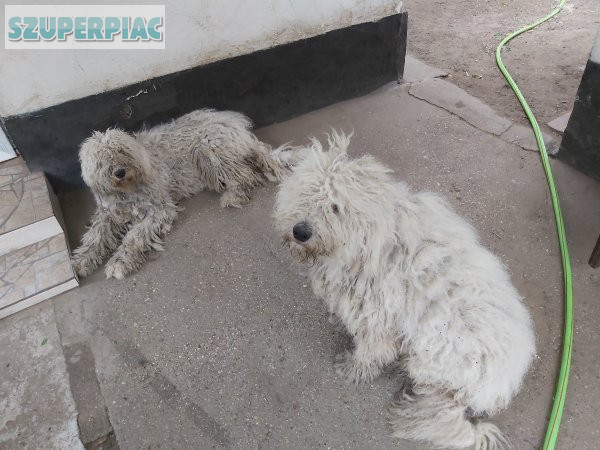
{"x": 34, "y": 256}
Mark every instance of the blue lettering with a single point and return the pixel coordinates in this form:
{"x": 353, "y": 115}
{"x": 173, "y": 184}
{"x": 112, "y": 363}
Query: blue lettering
{"x": 64, "y": 27}
{"x": 111, "y": 27}
{"x": 153, "y": 23}
{"x": 125, "y": 28}
{"x": 95, "y": 28}
{"x": 47, "y": 28}
{"x": 138, "y": 30}
{"x": 80, "y": 28}
{"x": 14, "y": 25}
{"x": 30, "y": 33}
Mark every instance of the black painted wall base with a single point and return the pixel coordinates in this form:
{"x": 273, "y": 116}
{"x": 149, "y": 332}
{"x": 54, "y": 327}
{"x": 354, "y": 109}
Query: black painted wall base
{"x": 580, "y": 146}
{"x": 269, "y": 85}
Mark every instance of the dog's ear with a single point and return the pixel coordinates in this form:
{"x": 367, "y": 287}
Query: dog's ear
{"x": 89, "y": 160}
{"x": 142, "y": 161}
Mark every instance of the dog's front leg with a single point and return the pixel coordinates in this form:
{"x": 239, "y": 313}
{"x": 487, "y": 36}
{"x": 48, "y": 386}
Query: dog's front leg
{"x": 142, "y": 237}
{"x": 373, "y": 351}
{"x": 101, "y": 238}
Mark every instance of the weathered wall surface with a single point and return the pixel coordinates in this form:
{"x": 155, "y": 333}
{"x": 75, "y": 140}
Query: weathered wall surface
{"x": 214, "y": 30}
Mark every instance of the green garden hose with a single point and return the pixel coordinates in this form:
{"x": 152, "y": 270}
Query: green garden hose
{"x": 565, "y": 365}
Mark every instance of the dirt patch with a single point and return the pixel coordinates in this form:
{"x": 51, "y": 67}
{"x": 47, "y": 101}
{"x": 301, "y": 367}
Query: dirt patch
{"x": 461, "y": 36}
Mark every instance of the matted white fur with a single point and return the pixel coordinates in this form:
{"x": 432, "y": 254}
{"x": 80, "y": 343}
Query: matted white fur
{"x": 138, "y": 179}
{"x": 412, "y": 284}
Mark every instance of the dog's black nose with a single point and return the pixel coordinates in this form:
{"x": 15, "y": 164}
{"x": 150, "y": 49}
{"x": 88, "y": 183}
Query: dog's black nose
{"x": 301, "y": 232}
{"x": 119, "y": 173}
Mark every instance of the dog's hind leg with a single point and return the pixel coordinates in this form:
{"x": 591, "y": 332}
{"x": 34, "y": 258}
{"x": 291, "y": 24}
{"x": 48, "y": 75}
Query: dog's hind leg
{"x": 144, "y": 236}
{"x": 235, "y": 196}
{"x": 427, "y": 413}
{"x": 101, "y": 238}
{"x": 266, "y": 162}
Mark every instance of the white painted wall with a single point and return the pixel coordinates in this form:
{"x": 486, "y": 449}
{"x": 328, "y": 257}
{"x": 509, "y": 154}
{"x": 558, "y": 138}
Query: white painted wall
{"x": 197, "y": 32}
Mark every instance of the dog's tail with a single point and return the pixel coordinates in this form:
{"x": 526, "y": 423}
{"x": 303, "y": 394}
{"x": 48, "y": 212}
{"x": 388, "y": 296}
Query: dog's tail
{"x": 289, "y": 155}
{"x": 278, "y": 162}
{"x": 425, "y": 413}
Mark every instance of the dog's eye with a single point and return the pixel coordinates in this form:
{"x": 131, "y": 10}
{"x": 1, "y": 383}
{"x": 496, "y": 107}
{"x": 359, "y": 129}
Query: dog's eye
{"x": 335, "y": 208}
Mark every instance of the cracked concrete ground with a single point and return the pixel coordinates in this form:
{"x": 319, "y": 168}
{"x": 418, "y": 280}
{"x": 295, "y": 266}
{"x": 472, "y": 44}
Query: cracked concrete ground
{"x": 218, "y": 342}
{"x": 36, "y": 404}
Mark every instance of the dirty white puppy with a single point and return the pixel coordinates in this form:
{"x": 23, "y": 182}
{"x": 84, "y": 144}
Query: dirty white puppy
{"x": 138, "y": 178}
{"x": 412, "y": 284}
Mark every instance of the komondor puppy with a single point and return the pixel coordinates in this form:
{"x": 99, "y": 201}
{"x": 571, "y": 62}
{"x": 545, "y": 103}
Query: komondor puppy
{"x": 412, "y": 284}
{"x": 138, "y": 179}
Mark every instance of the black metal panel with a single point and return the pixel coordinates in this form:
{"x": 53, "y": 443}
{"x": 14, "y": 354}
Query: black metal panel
{"x": 580, "y": 145}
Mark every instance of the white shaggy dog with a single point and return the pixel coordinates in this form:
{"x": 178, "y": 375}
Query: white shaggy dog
{"x": 138, "y": 179}
{"x": 412, "y": 284}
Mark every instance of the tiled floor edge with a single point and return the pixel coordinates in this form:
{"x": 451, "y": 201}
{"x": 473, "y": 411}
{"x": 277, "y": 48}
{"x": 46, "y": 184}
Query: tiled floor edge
{"x": 29, "y": 234}
{"x": 37, "y": 298}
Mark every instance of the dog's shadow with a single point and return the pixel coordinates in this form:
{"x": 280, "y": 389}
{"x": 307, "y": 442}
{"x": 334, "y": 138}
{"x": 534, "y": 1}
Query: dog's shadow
{"x": 77, "y": 208}
{"x": 341, "y": 340}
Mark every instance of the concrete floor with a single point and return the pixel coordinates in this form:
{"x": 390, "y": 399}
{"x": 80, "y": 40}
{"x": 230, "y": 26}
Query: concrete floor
{"x": 218, "y": 342}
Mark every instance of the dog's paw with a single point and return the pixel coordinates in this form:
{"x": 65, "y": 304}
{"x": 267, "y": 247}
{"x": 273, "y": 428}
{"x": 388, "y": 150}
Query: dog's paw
{"x": 115, "y": 269}
{"x": 352, "y": 371}
{"x": 82, "y": 266}
{"x": 233, "y": 199}
{"x": 230, "y": 204}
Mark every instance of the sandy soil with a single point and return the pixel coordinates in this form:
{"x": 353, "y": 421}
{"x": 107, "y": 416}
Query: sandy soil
{"x": 461, "y": 36}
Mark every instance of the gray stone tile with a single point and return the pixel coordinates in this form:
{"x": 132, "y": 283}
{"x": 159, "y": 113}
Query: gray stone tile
{"x": 42, "y": 249}
{"x": 10, "y": 296}
{"x": 57, "y": 243}
{"x": 33, "y": 254}
{"x": 27, "y": 283}
{"x": 5, "y": 179}
{"x": 457, "y": 101}
{"x": 13, "y": 274}
{"x": 37, "y": 187}
{"x": 24, "y": 202}
{"x": 42, "y": 208}
{"x": 34, "y": 268}
{"x": 416, "y": 70}
{"x": 8, "y": 197}
{"x": 15, "y": 170}
{"x": 560, "y": 123}
{"x": 523, "y": 137}
{"x": 23, "y": 215}
{"x": 20, "y": 256}
{"x": 4, "y": 288}
{"x": 52, "y": 270}
{"x": 5, "y": 211}
{"x": 34, "y": 175}
{"x": 19, "y": 282}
